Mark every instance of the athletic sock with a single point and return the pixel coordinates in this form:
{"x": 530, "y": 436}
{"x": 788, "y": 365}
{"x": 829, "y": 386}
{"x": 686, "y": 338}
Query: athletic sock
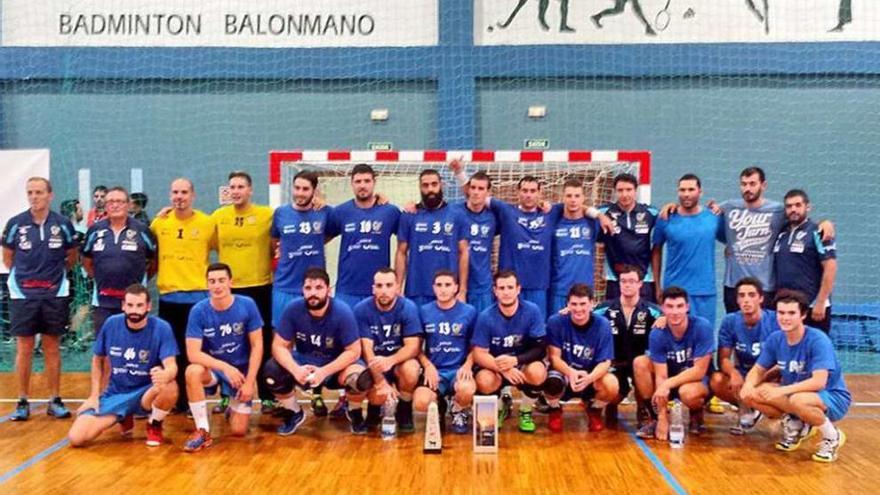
{"x": 828, "y": 430}
{"x": 290, "y": 403}
{"x": 552, "y": 401}
{"x": 158, "y": 415}
{"x": 200, "y": 415}
{"x": 456, "y": 407}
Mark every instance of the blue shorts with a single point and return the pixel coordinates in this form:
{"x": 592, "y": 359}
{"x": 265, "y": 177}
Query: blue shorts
{"x": 223, "y": 383}
{"x": 350, "y": 299}
{"x": 280, "y": 300}
{"x": 837, "y": 403}
{"x": 704, "y": 306}
{"x": 446, "y": 386}
{"x": 537, "y": 296}
{"x": 121, "y": 404}
{"x": 479, "y": 301}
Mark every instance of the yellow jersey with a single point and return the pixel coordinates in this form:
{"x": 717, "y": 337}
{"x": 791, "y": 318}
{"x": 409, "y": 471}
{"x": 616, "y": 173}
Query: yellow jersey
{"x": 184, "y": 248}
{"x": 243, "y": 243}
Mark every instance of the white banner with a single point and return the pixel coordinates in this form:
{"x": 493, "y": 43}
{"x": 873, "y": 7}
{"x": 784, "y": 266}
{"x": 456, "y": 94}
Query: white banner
{"x": 220, "y": 23}
{"x": 520, "y": 22}
{"x": 17, "y": 167}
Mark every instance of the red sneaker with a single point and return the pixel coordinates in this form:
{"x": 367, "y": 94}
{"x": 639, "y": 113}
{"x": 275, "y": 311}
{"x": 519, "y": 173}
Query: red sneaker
{"x": 594, "y": 418}
{"x": 554, "y": 421}
{"x": 126, "y": 426}
{"x": 154, "y": 434}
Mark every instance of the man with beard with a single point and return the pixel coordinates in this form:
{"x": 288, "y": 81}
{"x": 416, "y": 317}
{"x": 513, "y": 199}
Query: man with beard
{"x": 225, "y": 347}
{"x": 298, "y": 235}
{"x": 433, "y": 238}
{"x": 804, "y": 261}
{"x": 689, "y": 237}
{"x": 508, "y": 348}
{"x": 185, "y": 238}
{"x": 137, "y": 352}
{"x": 98, "y": 211}
{"x": 390, "y": 332}
{"x": 316, "y": 344}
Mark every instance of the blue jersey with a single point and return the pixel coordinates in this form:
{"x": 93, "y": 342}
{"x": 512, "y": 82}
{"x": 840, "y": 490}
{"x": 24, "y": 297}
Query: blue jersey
{"x": 800, "y": 252}
{"x": 679, "y": 355}
{"x": 38, "y": 270}
{"x": 387, "y": 329}
{"x": 746, "y": 341}
{"x": 690, "y": 251}
{"x": 748, "y": 234}
{"x": 479, "y": 230}
{"x": 630, "y": 337}
{"x": 574, "y": 249}
{"x": 433, "y": 237}
{"x": 502, "y": 335}
{"x": 119, "y": 259}
{"x": 225, "y": 334}
{"x": 302, "y": 244}
{"x": 631, "y": 242}
{"x": 448, "y": 333}
{"x": 133, "y": 353}
{"x": 526, "y": 238}
{"x": 798, "y": 362}
{"x": 365, "y": 243}
{"x": 317, "y": 341}
{"x": 583, "y": 348}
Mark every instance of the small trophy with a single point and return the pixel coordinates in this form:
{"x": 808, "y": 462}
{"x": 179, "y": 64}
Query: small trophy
{"x": 433, "y": 438}
{"x": 485, "y": 424}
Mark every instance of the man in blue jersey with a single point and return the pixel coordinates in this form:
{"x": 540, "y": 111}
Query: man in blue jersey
{"x": 38, "y": 249}
{"x": 739, "y": 340}
{"x": 632, "y": 319}
{"x": 433, "y": 238}
{"x": 118, "y": 251}
{"x": 630, "y": 243}
{"x": 812, "y": 393}
{"x": 298, "y": 235}
{"x": 390, "y": 332}
{"x": 138, "y": 352}
{"x": 805, "y": 261}
{"x": 316, "y": 344}
{"x": 508, "y": 348}
{"x": 580, "y": 347}
{"x": 689, "y": 238}
{"x": 446, "y": 360}
{"x": 574, "y": 246}
{"x": 480, "y": 229}
{"x": 676, "y": 365}
{"x": 224, "y": 341}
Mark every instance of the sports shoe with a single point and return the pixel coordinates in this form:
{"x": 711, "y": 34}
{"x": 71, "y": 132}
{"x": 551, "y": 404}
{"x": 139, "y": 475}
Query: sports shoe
{"x": 318, "y": 406}
{"x": 794, "y": 432}
{"x": 340, "y": 409}
{"x": 268, "y": 407}
{"x": 56, "y": 408}
{"x": 404, "y": 417}
{"x": 526, "y": 422}
{"x": 356, "y": 420}
{"x": 154, "y": 434}
{"x": 746, "y": 421}
{"x": 541, "y": 405}
{"x": 374, "y": 417}
{"x": 221, "y": 406}
{"x": 611, "y": 416}
{"x": 594, "y": 419}
{"x": 291, "y": 422}
{"x": 715, "y": 406}
{"x": 126, "y": 426}
{"x": 22, "y": 411}
{"x": 200, "y": 439}
{"x": 554, "y": 420}
{"x": 647, "y": 430}
{"x": 505, "y": 407}
{"x": 827, "y": 451}
{"x": 460, "y": 422}
{"x": 696, "y": 424}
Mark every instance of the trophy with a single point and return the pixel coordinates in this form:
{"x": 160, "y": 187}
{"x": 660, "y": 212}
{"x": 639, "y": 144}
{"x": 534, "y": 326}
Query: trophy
{"x": 433, "y": 439}
{"x": 485, "y": 424}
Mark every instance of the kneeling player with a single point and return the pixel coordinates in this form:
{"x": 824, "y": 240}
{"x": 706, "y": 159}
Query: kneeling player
{"x": 446, "y": 358}
{"x": 677, "y": 361}
{"x": 812, "y": 393}
{"x": 390, "y": 333}
{"x": 142, "y": 369}
{"x": 741, "y": 335}
{"x": 316, "y": 344}
{"x": 225, "y": 347}
{"x": 508, "y": 346}
{"x": 581, "y": 348}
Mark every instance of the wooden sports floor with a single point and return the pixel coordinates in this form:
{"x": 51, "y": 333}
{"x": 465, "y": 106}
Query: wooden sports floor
{"x": 324, "y": 458}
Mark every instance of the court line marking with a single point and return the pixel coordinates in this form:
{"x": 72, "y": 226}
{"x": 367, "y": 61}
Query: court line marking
{"x": 33, "y": 460}
{"x": 658, "y": 464}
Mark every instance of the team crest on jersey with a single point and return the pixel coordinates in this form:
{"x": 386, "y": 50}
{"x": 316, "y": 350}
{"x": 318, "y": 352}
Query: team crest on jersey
{"x": 316, "y": 227}
{"x": 377, "y": 227}
{"x": 456, "y": 329}
{"x": 447, "y": 227}
{"x": 329, "y": 341}
{"x": 130, "y": 234}
{"x": 144, "y": 356}
{"x": 640, "y": 216}
{"x": 800, "y": 235}
{"x": 195, "y": 233}
{"x": 252, "y": 220}
{"x": 484, "y": 229}
{"x": 238, "y": 328}
{"x": 641, "y": 317}
{"x": 55, "y": 230}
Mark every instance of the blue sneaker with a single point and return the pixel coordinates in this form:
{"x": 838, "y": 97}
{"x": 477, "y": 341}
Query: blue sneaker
{"x": 200, "y": 439}
{"x": 22, "y": 411}
{"x": 356, "y": 418}
{"x": 460, "y": 421}
{"x": 291, "y": 423}
{"x": 56, "y": 408}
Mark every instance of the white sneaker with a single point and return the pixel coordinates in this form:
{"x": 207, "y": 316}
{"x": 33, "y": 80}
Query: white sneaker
{"x": 828, "y": 448}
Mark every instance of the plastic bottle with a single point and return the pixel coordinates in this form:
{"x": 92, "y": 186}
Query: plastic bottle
{"x": 676, "y": 426}
{"x": 389, "y": 422}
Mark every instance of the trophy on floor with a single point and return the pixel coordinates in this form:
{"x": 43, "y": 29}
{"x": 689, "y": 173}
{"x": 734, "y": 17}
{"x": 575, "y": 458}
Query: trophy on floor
{"x": 433, "y": 438}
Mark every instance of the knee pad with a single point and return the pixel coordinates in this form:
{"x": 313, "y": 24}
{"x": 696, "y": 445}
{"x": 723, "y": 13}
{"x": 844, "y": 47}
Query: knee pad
{"x": 359, "y": 383}
{"x": 554, "y": 386}
{"x": 277, "y": 379}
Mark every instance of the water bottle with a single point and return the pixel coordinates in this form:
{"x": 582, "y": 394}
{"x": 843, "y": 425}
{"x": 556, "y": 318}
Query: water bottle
{"x": 676, "y": 426}
{"x": 389, "y": 423}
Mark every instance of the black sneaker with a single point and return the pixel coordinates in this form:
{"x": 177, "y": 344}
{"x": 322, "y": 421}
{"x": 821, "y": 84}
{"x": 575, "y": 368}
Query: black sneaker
{"x": 374, "y": 417}
{"x": 318, "y": 406}
{"x": 541, "y": 405}
{"x": 356, "y": 418}
{"x": 404, "y": 417}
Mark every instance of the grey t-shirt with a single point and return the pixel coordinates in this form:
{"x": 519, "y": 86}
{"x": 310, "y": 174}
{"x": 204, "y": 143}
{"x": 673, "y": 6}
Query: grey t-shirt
{"x": 749, "y": 234}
